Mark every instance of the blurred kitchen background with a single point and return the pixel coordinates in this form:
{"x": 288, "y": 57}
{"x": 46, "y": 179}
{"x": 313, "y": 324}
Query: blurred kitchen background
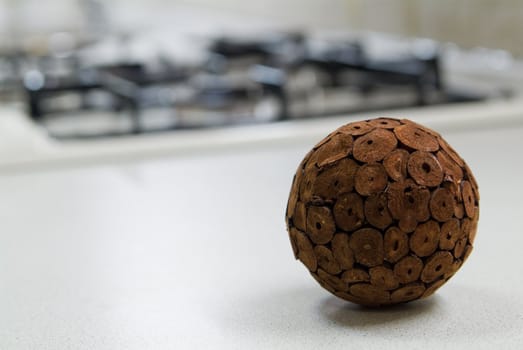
{"x": 147, "y": 150}
{"x": 88, "y": 79}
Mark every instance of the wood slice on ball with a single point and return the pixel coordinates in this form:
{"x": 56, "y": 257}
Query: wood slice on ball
{"x": 355, "y": 275}
{"x": 431, "y": 288}
{"x": 348, "y": 211}
{"x": 383, "y": 277}
{"x": 408, "y": 269}
{"x": 442, "y": 204}
{"x": 395, "y": 164}
{"x": 409, "y": 292}
{"x": 338, "y": 147}
{"x": 377, "y": 211}
{"x": 454, "y": 267}
{"x": 333, "y": 180}
{"x": 385, "y": 123}
{"x": 370, "y": 178}
{"x": 452, "y": 170}
{"x": 449, "y": 235}
{"x": 370, "y": 295}
{"x": 306, "y": 251}
{"x": 341, "y": 251}
{"x": 367, "y": 245}
{"x": 425, "y": 169}
{"x": 408, "y": 203}
{"x": 332, "y": 281}
{"x": 459, "y": 248}
{"x": 299, "y": 218}
{"x": 395, "y": 244}
{"x": 374, "y": 146}
{"x": 437, "y": 265}
{"x": 425, "y": 239}
{"x": 455, "y": 189}
{"x": 356, "y": 128}
{"x": 468, "y": 198}
{"x": 320, "y": 224}
{"x": 382, "y": 211}
{"x": 326, "y": 260}
{"x": 416, "y": 138}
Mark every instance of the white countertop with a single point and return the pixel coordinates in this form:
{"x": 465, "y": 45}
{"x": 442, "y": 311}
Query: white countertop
{"x": 189, "y": 250}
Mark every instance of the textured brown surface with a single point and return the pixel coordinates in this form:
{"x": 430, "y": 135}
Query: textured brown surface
{"x": 382, "y": 211}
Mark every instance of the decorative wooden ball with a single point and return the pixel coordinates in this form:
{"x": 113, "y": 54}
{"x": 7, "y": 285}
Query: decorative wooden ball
{"x": 382, "y": 212}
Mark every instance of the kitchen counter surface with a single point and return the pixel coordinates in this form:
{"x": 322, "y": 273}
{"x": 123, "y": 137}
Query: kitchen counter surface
{"x": 185, "y": 251}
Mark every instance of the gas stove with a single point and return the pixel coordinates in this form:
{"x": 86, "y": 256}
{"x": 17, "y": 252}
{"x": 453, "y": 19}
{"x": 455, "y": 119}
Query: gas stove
{"x": 126, "y": 98}
{"x": 236, "y": 80}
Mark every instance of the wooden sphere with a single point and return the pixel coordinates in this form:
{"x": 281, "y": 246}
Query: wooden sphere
{"x": 382, "y": 212}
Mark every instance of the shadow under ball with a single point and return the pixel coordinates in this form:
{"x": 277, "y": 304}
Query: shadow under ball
{"x": 382, "y": 212}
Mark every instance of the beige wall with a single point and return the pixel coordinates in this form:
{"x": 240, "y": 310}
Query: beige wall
{"x": 470, "y": 23}
{"x": 489, "y": 23}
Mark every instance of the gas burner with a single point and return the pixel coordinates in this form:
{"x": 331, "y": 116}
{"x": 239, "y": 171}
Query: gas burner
{"x": 264, "y": 79}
